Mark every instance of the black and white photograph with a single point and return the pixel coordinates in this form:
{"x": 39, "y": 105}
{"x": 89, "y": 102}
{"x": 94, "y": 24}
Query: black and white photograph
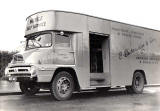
{"x": 67, "y": 55}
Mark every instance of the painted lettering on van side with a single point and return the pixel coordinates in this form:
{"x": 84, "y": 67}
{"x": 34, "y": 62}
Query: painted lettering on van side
{"x": 126, "y": 52}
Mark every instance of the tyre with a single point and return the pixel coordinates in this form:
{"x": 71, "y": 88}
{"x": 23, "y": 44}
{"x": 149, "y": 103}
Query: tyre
{"x": 129, "y": 89}
{"x": 62, "y": 86}
{"x": 29, "y": 88}
{"x": 137, "y": 83}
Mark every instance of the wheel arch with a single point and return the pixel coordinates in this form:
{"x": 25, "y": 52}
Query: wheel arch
{"x": 143, "y": 72}
{"x": 72, "y": 72}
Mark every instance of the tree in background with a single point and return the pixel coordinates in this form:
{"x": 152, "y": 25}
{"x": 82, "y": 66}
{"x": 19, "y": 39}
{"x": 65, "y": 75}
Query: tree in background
{"x": 5, "y": 58}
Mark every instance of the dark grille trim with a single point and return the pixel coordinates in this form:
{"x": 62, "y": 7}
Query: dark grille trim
{"x": 21, "y": 75}
{"x": 11, "y": 70}
{"x": 20, "y": 66}
{"x": 22, "y": 70}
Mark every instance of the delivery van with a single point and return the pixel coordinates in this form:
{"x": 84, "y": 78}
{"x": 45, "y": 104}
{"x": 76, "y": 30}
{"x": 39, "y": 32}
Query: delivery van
{"x": 67, "y": 52}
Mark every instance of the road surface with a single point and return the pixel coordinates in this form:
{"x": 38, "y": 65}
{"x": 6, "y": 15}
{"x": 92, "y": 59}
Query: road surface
{"x": 117, "y": 100}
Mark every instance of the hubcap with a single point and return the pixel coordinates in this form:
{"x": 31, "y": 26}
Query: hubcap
{"x": 63, "y": 85}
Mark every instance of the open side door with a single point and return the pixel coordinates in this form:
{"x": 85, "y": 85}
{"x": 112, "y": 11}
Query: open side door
{"x": 99, "y": 60}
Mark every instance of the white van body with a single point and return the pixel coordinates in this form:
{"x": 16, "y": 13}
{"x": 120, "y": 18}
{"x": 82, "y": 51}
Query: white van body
{"x": 122, "y": 50}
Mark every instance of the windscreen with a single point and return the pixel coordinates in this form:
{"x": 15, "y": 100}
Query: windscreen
{"x": 39, "y": 40}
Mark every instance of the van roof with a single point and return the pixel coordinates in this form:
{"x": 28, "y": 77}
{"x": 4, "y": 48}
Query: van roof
{"x": 94, "y": 17}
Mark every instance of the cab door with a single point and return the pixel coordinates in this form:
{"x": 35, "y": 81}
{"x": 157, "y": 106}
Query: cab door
{"x": 63, "y": 46}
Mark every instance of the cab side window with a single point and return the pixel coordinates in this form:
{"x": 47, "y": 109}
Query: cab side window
{"x": 62, "y": 41}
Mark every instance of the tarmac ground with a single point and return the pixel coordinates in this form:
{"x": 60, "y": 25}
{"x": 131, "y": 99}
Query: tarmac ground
{"x": 11, "y": 99}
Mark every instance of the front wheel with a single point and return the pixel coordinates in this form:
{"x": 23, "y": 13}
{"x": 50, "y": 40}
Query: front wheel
{"x": 137, "y": 83}
{"x": 30, "y": 88}
{"x": 62, "y": 86}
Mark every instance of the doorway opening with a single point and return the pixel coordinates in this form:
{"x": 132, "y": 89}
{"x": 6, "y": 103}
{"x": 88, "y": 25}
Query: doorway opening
{"x": 97, "y": 52}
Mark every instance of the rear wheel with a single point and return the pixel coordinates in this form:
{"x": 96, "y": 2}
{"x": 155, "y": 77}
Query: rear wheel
{"x": 137, "y": 83}
{"x": 62, "y": 86}
{"x": 30, "y": 88}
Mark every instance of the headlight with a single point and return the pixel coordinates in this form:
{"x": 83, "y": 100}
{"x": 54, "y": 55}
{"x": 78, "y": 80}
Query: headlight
{"x": 33, "y": 70}
{"x": 6, "y": 71}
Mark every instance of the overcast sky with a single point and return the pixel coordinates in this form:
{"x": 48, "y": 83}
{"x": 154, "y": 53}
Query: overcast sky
{"x": 13, "y": 14}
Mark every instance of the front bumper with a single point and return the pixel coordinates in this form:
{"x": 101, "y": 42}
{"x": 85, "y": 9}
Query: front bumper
{"x": 21, "y": 73}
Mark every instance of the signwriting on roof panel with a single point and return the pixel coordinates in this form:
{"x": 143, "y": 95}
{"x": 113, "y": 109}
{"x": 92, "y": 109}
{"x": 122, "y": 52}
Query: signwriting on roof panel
{"x": 40, "y": 22}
